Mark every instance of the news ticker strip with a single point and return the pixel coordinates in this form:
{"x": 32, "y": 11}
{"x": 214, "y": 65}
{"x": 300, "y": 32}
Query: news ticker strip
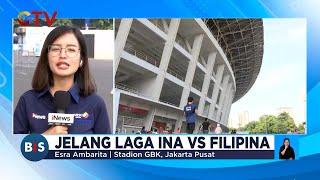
{"x": 160, "y": 154}
{"x": 37, "y": 147}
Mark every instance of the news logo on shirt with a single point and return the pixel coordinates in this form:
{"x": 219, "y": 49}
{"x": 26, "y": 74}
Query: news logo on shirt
{"x": 188, "y": 108}
{"x": 34, "y": 147}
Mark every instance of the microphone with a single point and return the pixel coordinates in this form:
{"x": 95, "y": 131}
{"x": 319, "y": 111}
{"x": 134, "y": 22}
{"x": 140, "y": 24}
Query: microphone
{"x": 61, "y": 101}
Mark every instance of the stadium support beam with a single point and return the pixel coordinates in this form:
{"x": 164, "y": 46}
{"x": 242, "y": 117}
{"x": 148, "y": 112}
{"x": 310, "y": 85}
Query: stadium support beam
{"x": 227, "y": 95}
{"x": 206, "y": 81}
{"x": 121, "y": 39}
{"x": 116, "y": 101}
{"x": 191, "y": 69}
{"x": 165, "y": 25}
{"x": 224, "y": 100}
{"x": 228, "y": 107}
{"x": 220, "y": 105}
{"x": 179, "y": 122}
{"x": 224, "y": 89}
{"x": 149, "y": 118}
{"x": 197, "y": 126}
{"x": 216, "y": 90}
{"x": 165, "y": 58}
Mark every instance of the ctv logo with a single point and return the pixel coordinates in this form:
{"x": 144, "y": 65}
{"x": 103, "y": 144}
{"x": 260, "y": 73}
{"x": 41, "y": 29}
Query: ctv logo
{"x": 34, "y": 147}
{"x": 24, "y": 18}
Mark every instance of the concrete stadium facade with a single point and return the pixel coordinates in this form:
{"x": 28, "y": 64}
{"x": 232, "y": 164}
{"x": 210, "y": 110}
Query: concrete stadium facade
{"x": 159, "y": 63}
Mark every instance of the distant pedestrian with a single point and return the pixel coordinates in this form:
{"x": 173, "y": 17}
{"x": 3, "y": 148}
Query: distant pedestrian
{"x": 178, "y": 131}
{"x": 218, "y": 129}
{"x": 190, "y": 111}
{"x": 205, "y": 126}
{"x": 143, "y": 130}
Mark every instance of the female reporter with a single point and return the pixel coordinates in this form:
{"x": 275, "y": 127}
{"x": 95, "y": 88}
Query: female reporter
{"x": 62, "y": 66}
{"x": 286, "y": 151}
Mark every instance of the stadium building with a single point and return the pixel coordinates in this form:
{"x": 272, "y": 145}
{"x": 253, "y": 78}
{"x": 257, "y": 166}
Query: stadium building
{"x": 159, "y": 63}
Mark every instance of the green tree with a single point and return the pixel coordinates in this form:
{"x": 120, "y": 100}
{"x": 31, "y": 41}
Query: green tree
{"x": 102, "y": 24}
{"x": 271, "y": 124}
{"x": 301, "y": 129}
{"x": 63, "y": 22}
{"x": 286, "y": 122}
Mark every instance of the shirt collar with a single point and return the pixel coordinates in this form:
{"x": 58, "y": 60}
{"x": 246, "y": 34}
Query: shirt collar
{"x": 74, "y": 91}
{"x": 43, "y": 92}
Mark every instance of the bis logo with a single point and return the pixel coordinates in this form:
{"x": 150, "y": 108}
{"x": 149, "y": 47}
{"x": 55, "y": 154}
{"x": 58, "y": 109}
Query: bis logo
{"x": 34, "y": 147}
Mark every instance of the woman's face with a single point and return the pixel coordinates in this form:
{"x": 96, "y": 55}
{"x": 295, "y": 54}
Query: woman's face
{"x": 286, "y": 143}
{"x": 64, "y": 56}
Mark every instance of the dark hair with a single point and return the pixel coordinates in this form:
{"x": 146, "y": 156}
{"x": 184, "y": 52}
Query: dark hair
{"x": 43, "y": 77}
{"x": 205, "y": 119}
{"x": 190, "y": 99}
{"x": 284, "y": 140}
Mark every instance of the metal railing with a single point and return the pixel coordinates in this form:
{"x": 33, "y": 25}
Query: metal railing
{"x": 174, "y": 72}
{"x": 126, "y": 88}
{"x": 196, "y": 86}
{"x": 140, "y": 54}
{"x": 168, "y": 103}
{"x": 181, "y": 41}
{"x": 126, "y": 123}
{"x": 202, "y": 61}
{"x": 131, "y": 121}
{"x": 158, "y": 24}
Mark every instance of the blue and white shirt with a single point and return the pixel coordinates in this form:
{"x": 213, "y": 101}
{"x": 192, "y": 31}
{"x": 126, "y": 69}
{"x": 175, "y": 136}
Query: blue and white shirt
{"x": 190, "y": 112}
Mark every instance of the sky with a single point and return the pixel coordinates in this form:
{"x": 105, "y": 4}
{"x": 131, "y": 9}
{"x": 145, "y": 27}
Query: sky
{"x": 282, "y": 78}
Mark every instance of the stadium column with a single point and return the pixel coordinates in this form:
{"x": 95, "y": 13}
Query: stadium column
{"x": 206, "y": 81}
{"x": 165, "y": 58}
{"x": 149, "y": 118}
{"x": 226, "y": 114}
{"x": 229, "y": 103}
{"x": 122, "y": 35}
{"x": 116, "y": 101}
{"x": 224, "y": 100}
{"x": 225, "y": 94}
{"x": 165, "y": 25}
{"x": 224, "y": 89}
{"x": 191, "y": 69}
{"x": 222, "y": 94}
{"x": 179, "y": 122}
{"x": 216, "y": 90}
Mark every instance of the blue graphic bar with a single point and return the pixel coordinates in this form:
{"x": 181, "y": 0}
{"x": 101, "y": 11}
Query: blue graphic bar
{"x": 160, "y": 154}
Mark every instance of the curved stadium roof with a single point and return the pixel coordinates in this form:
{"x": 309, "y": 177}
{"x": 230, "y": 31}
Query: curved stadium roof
{"x": 242, "y": 42}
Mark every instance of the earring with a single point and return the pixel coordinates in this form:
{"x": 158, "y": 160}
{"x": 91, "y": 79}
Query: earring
{"x": 81, "y": 63}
